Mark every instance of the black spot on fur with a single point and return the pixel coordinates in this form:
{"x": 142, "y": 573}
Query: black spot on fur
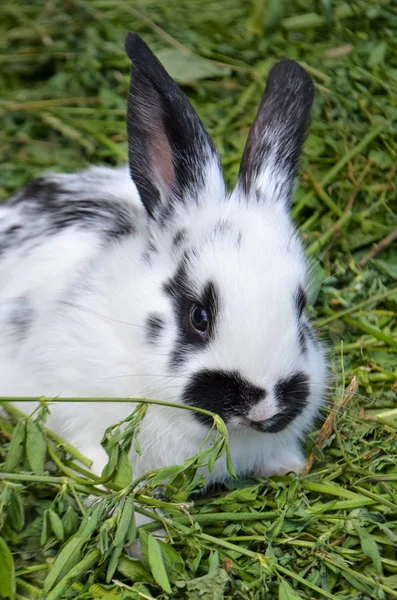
{"x": 155, "y": 326}
{"x": 222, "y": 227}
{"x": 21, "y": 316}
{"x": 302, "y": 338}
{"x": 151, "y": 249}
{"x": 300, "y": 301}
{"x": 9, "y": 237}
{"x": 225, "y": 228}
{"x": 53, "y": 201}
{"x": 180, "y": 290}
{"x": 223, "y": 392}
{"x": 309, "y": 333}
{"x": 12, "y": 230}
{"x": 291, "y": 394}
{"x": 179, "y": 238}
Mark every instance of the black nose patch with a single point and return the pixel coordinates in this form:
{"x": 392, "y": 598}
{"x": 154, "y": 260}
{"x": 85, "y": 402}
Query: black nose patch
{"x": 225, "y": 393}
{"x": 291, "y": 394}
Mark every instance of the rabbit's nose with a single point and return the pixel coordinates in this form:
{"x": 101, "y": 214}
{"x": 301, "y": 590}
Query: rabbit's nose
{"x": 263, "y": 410}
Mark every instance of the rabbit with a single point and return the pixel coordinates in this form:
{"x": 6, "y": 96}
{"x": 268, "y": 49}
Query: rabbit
{"x": 153, "y": 281}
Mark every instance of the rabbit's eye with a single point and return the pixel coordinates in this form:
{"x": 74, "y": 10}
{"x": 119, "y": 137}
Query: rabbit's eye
{"x": 199, "y": 318}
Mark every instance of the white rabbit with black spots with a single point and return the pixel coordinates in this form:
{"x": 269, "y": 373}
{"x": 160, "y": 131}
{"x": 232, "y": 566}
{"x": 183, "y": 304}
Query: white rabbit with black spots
{"x": 154, "y": 281}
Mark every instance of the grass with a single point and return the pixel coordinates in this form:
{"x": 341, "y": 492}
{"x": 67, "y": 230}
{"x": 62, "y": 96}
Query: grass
{"x": 333, "y": 532}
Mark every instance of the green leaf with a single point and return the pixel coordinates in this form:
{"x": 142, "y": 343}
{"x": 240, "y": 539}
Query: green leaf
{"x": 113, "y": 453}
{"x": 156, "y": 563}
{"x": 314, "y": 146}
{"x": 390, "y": 581}
{"x": 56, "y": 525}
{"x": 381, "y": 158}
{"x": 125, "y": 523}
{"x": 286, "y": 592}
{"x": 99, "y": 592}
{"x": 78, "y": 570}
{"x": 166, "y": 473}
{"x": 16, "y": 449}
{"x": 123, "y": 476}
{"x": 133, "y": 569}
{"x": 70, "y": 522}
{"x": 256, "y": 20}
{"x": 45, "y": 529}
{"x": 210, "y": 586}
{"x": 7, "y": 572}
{"x": 17, "y": 513}
{"x": 104, "y": 534}
{"x": 173, "y": 562}
{"x": 36, "y": 447}
{"x": 377, "y": 56}
{"x": 143, "y": 544}
{"x": 188, "y": 67}
{"x": 369, "y": 547}
{"x": 273, "y": 14}
{"x": 390, "y": 268}
{"x": 359, "y": 585}
{"x": 245, "y": 494}
{"x": 229, "y": 463}
{"x": 68, "y": 557}
{"x": 90, "y": 522}
{"x": 213, "y": 561}
{"x": 113, "y": 562}
{"x": 276, "y": 527}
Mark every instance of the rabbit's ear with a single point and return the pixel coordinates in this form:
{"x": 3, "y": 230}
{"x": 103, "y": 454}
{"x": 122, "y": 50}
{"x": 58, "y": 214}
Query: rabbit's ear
{"x": 271, "y": 156}
{"x": 168, "y": 145}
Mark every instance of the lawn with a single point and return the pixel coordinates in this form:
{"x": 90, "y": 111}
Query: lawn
{"x": 332, "y": 533}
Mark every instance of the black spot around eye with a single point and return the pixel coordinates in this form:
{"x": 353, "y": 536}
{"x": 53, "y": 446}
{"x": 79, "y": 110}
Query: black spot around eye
{"x": 180, "y": 291}
{"x": 300, "y": 301}
{"x": 155, "y": 326}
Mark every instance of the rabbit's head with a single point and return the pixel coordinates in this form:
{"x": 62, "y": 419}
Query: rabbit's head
{"x": 231, "y": 328}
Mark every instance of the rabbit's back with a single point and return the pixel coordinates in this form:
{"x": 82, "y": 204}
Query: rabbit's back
{"x": 50, "y": 234}
{"x": 52, "y": 228}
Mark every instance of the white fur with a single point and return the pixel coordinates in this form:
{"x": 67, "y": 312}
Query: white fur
{"x": 90, "y": 301}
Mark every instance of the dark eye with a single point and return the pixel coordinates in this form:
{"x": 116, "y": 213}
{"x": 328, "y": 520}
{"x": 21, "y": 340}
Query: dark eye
{"x": 199, "y": 318}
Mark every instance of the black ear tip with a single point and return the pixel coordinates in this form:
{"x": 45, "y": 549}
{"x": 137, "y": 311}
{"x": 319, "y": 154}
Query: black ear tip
{"x": 289, "y": 74}
{"x": 134, "y": 46}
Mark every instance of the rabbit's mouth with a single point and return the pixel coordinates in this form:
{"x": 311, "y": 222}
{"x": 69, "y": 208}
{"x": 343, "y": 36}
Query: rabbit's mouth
{"x": 241, "y": 422}
{"x": 259, "y": 425}
{"x": 274, "y": 424}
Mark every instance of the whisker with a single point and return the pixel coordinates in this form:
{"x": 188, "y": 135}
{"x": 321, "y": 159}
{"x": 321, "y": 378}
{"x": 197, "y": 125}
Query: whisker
{"x": 105, "y": 317}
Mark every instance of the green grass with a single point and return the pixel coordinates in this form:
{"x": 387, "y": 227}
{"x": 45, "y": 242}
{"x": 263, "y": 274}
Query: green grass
{"x": 333, "y": 532}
